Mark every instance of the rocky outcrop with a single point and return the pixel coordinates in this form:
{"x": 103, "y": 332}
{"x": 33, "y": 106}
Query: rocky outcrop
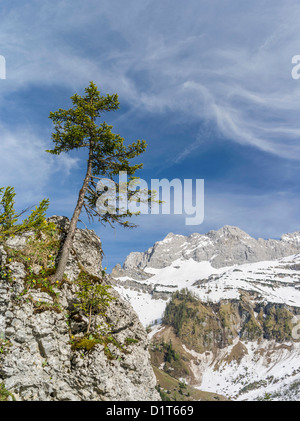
{"x": 40, "y": 328}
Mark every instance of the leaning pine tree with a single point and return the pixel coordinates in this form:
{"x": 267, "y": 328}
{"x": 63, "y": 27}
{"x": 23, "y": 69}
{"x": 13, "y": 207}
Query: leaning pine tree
{"x": 107, "y": 156}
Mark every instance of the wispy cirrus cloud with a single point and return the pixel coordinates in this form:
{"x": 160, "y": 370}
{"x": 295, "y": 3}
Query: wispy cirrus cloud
{"x": 232, "y": 69}
{"x": 223, "y": 63}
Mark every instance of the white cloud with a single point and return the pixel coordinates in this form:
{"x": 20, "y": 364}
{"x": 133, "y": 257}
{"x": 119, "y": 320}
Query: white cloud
{"x": 26, "y": 166}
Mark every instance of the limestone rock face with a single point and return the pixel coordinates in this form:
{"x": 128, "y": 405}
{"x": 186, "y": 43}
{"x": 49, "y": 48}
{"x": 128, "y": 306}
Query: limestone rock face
{"x": 37, "y": 329}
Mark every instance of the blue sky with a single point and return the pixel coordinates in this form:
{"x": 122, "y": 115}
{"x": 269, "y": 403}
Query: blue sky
{"x": 207, "y": 84}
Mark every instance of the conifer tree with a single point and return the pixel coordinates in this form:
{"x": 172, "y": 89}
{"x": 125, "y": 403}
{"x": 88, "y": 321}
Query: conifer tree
{"x": 9, "y": 218}
{"x": 78, "y": 127}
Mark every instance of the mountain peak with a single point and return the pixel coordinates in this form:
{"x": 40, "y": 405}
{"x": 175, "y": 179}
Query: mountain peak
{"x": 230, "y": 231}
{"x": 171, "y": 236}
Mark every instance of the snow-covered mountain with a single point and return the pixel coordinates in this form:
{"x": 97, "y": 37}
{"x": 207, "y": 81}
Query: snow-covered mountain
{"x": 225, "y": 247}
{"x": 259, "y": 349}
{"x": 216, "y": 265}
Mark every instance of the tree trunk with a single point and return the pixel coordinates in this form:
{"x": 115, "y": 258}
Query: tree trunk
{"x": 58, "y": 276}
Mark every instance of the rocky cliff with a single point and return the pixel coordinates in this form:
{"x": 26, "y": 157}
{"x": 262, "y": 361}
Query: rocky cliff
{"x": 46, "y": 354}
